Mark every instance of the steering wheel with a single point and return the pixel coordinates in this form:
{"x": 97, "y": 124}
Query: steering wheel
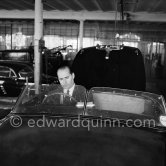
{"x": 58, "y": 98}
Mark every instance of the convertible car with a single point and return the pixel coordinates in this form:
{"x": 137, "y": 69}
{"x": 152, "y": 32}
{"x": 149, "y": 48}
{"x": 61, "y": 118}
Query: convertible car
{"x": 111, "y": 127}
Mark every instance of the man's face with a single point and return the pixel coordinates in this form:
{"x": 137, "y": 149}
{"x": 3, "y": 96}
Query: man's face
{"x": 66, "y": 79}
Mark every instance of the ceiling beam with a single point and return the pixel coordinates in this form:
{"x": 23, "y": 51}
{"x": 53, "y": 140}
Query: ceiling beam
{"x": 131, "y": 5}
{"x": 149, "y": 17}
{"x": 17, "y": 5}
{"x": 79, "y": 4}
{"x": 63, "y": 4}
{"x": 155, "y": 6}
{"x": 71, "y": 5}
{"x": 58, "y": 15}
{"x": 86, "y": 6}
{"x": 49, "y": 5}
{"x": 97, "y": 5}
{"x": 30, "y": 4}
{"x": 4, "y": 6}
{"x": 83, "y": 15}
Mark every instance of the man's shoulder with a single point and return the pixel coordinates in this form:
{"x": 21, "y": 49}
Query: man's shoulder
{"x": 80, "y": 88}
{"x": 80, "y": 93}
{"x": 55, "y": 88}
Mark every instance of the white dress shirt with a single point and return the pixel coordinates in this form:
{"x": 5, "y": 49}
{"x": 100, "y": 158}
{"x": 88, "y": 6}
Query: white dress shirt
{"x": 70, "y": 90}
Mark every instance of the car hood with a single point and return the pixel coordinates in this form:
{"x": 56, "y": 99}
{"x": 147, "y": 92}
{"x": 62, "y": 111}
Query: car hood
{"x": 71, "y": 145}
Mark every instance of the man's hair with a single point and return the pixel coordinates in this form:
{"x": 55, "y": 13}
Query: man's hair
{"x": 64, "y": 66}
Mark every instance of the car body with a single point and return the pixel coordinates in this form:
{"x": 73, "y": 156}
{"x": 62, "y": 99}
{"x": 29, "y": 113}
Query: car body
{"x": 116, "y": 127}
{"x": 110, "y": 66}
{"x": 50, "y": 59}
{"x": 14, "y": 75}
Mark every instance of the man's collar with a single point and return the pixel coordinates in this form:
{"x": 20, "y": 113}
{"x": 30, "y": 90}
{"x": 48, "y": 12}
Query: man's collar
{"x": 70, "y": 90}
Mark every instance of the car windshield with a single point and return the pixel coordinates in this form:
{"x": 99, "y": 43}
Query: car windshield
{"x": 46, "y": 102}
{"x": 101, "y": 103}
{"x": 6, "y": 72}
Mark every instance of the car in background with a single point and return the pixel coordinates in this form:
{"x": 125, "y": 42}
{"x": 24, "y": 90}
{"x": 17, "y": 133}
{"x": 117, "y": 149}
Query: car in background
{"x": 14, "y": 75}
{"x": 110, "y": 66}
{"x": 51, "y": 58}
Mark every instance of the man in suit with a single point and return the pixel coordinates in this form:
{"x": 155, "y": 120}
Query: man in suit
{"x": 67, "y": 86}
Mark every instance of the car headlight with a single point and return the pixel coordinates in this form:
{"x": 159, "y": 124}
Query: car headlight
{"x": 162, "y": 119}
{"x": 1, "y": 82}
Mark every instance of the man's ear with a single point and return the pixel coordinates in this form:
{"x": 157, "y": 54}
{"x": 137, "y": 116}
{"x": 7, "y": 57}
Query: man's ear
{"x": 73, "y": 75}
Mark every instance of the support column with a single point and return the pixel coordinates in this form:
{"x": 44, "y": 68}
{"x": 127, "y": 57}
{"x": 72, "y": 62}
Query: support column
{"x": 38, "y": 35}
{"x": 81, "y": 34}
{"x": 164, "y": 67}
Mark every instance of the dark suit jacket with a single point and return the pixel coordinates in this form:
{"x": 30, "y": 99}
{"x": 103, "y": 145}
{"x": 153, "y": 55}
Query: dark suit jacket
{"x": 79, "y": 93}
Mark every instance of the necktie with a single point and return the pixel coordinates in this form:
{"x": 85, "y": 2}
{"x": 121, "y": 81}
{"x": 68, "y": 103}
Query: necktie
{"x": 68, "y": 92}
{"x": 63, "y": 98}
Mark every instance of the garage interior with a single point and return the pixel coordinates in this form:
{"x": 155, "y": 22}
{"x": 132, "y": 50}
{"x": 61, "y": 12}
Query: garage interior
{"x": 85, "y": 23}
